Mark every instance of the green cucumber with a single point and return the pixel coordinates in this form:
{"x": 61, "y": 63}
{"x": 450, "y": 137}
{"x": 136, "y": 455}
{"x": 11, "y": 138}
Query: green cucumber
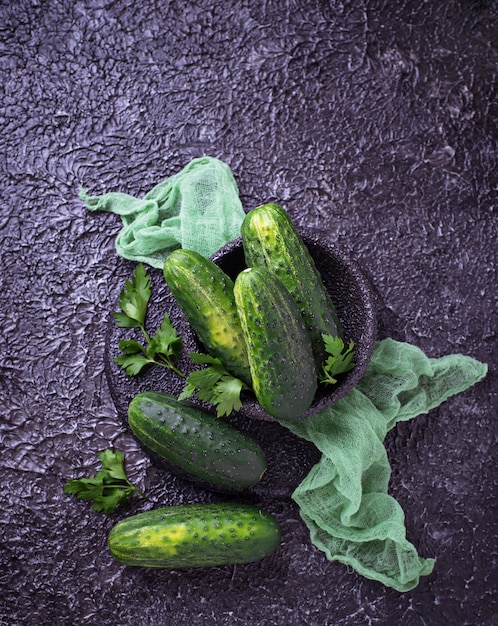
{"x": 279, "y": 348}
{"x": 195, "y": 535}
{"x": 270, "y": 240}
{"x": 205, "y": 294}
{"x": 192, "y": 440}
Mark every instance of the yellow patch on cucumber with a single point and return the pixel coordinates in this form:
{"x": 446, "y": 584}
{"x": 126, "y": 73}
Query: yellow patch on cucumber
{"x": 167, "y": 539}
{"x": 224, "y": 337}
{"x": 270, "y": 238}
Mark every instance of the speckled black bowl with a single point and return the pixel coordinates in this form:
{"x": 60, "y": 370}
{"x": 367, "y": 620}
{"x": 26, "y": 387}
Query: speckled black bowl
{"x": 289, "y": 457}
{"x": 346, "y": 283}
{"x": 353, "y": 299}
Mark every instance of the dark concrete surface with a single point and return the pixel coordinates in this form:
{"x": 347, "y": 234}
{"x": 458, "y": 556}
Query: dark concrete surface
{"x": 373, "y": 123}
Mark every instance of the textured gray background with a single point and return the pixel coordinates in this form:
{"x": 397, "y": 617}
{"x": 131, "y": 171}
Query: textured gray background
{"x": 372, "y": 122}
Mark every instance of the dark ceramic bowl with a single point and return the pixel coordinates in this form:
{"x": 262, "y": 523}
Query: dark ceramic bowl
{"x": 354, "y": 301}
{"x": 346, "y": 283}
{"x": 289, "y": 457}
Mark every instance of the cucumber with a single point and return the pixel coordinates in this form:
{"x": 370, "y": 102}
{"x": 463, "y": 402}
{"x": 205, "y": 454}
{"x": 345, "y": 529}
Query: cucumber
{"x": 192, "y": 440}
{"x": 205, "y": 294}
{"x": 280, "y": 353}
{"x": 270, "y": 240}
{"x": 195, "y": 535}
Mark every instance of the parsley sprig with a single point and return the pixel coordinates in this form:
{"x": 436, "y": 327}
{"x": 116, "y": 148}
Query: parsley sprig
{"x": 163, "y": 348}
{"x": 109, "y": 488}
{"x": 339, "y": 361}
{"x": 214, "y": 385}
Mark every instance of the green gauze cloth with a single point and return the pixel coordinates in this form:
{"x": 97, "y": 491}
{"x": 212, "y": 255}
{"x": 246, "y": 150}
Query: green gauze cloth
{"x": 198, "y": 209}
{"x": 344, "y": 500}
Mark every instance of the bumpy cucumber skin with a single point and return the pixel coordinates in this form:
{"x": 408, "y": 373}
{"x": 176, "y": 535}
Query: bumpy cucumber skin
{"x": 205, "y": 294}
{"x": 279, "y": 347}
{"x": 202, "y": 446}
{"x": 195, "y": 535}
{"x": 270, "y": 240}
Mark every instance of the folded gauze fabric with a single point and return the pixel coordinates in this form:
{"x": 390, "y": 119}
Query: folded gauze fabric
{"x": 197, "y": 209}
{"x": 344, "y": 500}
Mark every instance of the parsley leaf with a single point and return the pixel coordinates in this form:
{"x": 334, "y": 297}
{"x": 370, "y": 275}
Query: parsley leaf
{"x": 214, "y": 385}
{"x": 113, "y": 464}
{"x": 227, "y": 392}
{"x": 163, "y": 348}
{"x": 134, "y": 358}
{"x": 134, "y": 299}
{"x": 109, "y": 488}
{"x": 166, "y": 342}
{"x": 339, "y": 361}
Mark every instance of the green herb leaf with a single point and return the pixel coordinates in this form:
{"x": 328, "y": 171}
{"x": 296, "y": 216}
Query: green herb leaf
{"x": 201, "y": 358}
{"x": 187, "y": 392}
{"x": 214, "y": 385}
{"x": 125, "y": 321}
{"x": 227, "y": 392}
{"x": 130, "y": 346}
{"x": 133, "y": 300}
{"x": 132, "y": 364}
{"x": 85, "y": 488}
{"x": 114, "y": 496}
{"x": 109, "y": 488}
{"x": 340, "y": 360}
{"x": 163, "y": 348}
{"x": 113, "y": 464}
{"x": 166, "y": 342}
{"x": 207, "y": 377}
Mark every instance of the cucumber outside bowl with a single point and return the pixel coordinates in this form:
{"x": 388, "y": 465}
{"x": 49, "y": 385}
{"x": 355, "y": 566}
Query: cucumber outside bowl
{"x": 289, "y": 458}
